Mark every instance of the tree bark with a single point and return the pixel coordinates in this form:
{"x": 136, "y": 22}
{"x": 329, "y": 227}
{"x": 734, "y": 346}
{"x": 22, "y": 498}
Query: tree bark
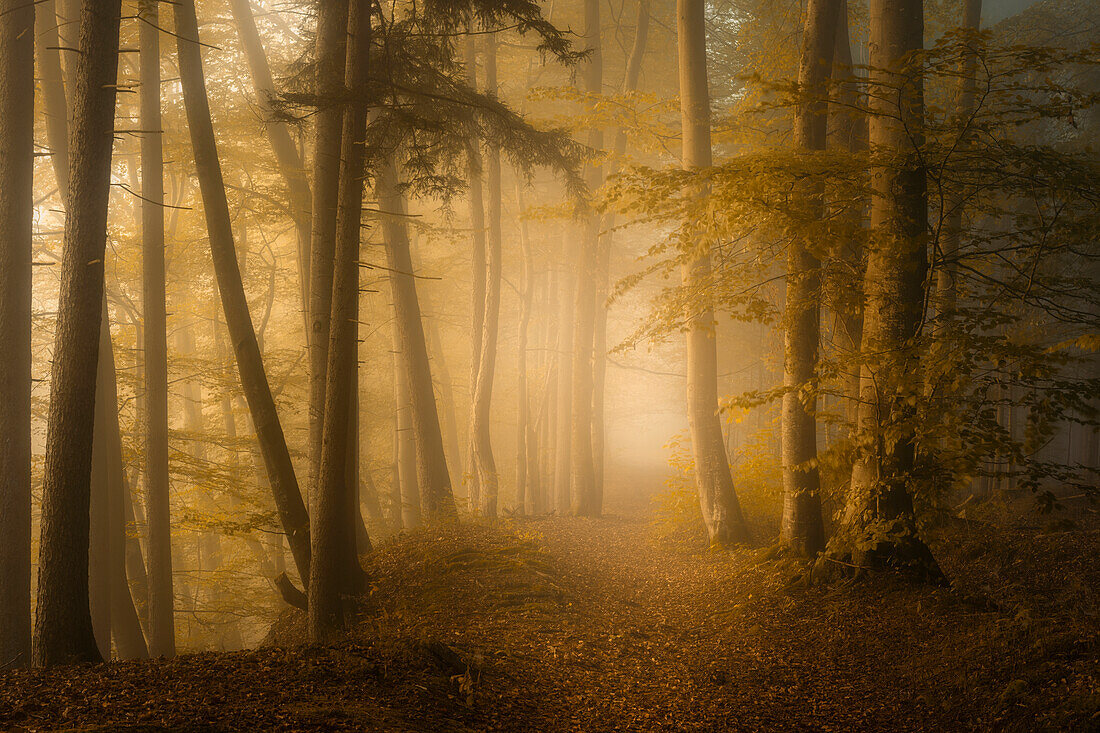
{"x": 261, "y": 404}
{"x": 62, "y": 628}
{"x": 477, "y": 282}
{"x": 155, "y": 314}
{"x": 717, "y": 499}
{"x": 336, "y": 574}
{"x": 487, "y": 477}
{"x": 801, "y": 525}
{"x": 525, "y": 472}
{"x": 433, "y": 479}
{"x": 16, "y": 223}
{"x": 564, "y": 378}
{"x": 331, "y": 53}
{"x": 879, "y": 526}
{"x": 406, "y": 495}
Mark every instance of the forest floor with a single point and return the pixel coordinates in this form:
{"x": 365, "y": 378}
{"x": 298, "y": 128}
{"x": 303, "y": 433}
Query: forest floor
{"x": 567, "y": 624}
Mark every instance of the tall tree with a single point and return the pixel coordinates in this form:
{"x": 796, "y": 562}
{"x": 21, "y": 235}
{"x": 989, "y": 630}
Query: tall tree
{"x": 717, "y": 499}
{"x": 16, "y": 217}
{"x": 485, "y": 463}
{"x": 474, "y": 174}
{"x": 603, "y": 264}
{"x": 954, "y": 203}
{"x": 582, "y": 472}
{"x": 62, "y": 627}
{"x": 433, "y": 478}
{"x": 286, "y": 152}
{"x": 802, "y": 528}
{"x": 331, "y": 52}
{"x": 159, "y": 567}
{"x": 250, "y": 366}
{"x": 878, "y": 529}
{"x": 335, "y": 573}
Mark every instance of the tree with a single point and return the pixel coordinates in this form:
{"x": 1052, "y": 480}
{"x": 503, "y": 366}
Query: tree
{"x": 16, "y": 212}
{"x": 154, "y": 310}
{"x": 62, "y": 628}
{"x": 261, "y": 404}
{"x": 474, "y": 174}
{"x": 335, "y": 573}
{"x": 432, "y": 476}
{"x": 331, "y": 52}
{"x": 484, "y": 462}
{"x": 717, "y": 499}
{"x": 878, "y": 529}
{"x": 582, "y": 471}
{"x": 802, "y": 528}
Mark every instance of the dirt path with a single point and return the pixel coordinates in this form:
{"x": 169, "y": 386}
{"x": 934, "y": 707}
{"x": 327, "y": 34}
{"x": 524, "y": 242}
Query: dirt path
{"x": 567, "y": 624}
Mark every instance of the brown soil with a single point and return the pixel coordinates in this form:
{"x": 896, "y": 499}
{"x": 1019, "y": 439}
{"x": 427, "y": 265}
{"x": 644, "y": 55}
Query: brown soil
{"x": 565, "y": 624}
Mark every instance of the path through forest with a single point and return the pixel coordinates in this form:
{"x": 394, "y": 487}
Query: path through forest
{"x": 567, "y": 624}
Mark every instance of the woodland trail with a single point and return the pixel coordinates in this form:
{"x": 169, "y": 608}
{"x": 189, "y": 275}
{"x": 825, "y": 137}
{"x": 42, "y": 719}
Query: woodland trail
{"x": 569, "y": 624}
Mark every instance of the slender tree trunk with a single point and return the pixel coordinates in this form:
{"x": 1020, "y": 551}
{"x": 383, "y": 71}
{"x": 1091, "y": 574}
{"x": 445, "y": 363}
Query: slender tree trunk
{"x": 524, "y": 471}
{"x": 488, "y": 479}
{"x": 445, "y": 381}
{"x": 331, "y": 52}
{"x": 406, "y": 495}
{"x": 717, "y": 499}
{"x": 161, "y": 593}
{"x": 564, "y": 402}
{"x": 951, "y": 229}
{"x": 62, "y": 628}
{"x": 603, "y": 264}
{"x": 801, "y": 527}
{"x": 477, "y": 281}
{"x": 99, "y": 533}
{"x": 434, "y": 480}
{"x": 336, "y": 574}
{"x": 289, "y": 161}
{"x": 848, "y": 131}
{"x": 47, "y": 42}
{"x": 16, "y": 221}
{"x": 135, "y": 563}
{"x": 261, "y": 404}
{"x": 582, "y": 475}
{"x": 879, "y": 526}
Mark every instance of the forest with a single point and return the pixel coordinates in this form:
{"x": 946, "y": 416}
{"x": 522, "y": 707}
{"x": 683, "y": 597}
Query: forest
{"x": 550, "y": 365}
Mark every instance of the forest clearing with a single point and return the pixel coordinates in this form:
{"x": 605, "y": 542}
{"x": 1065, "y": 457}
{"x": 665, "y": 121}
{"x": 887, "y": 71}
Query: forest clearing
{"x": 539, "y": 365}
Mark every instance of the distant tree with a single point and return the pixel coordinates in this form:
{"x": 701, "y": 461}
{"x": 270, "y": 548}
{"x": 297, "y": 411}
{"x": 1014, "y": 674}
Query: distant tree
{"x": 257, "y": 390}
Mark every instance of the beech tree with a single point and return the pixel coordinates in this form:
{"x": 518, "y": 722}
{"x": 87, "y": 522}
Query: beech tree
{"x": 721, "y": 509}
{"x": 17, "y": 22}
{"x": 62, "y": 628}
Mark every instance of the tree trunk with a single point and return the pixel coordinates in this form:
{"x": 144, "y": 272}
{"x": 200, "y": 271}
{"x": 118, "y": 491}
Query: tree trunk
{"x": 47, "y": 42}
{"x": 847, "y": 131}
{"x": 289, "y": 161}
{"x": 717, "y": 499}
{"x": 161, "y": 593}
{"x": 954, "y": 202}
{"x": 582, "y": 475}
{"x": 801, "y": 526}
{"x": 16, "y": 222}
{"x": 487, "y": 477}
{"x": 62, "y": 628}
{"x": 336, "y": 574}
{"x": 524, "y": 471}
{"x": 122, "y": 616}
{"x": 434, "y": 480}
{"x": 331, "y": 53}
{"x": 261, "y": 404}
{"x": 879, "y": 526}
{"x": 406, "y": 495}
{"x": 564, "y": 400}
{"x": 477, "y": 282}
